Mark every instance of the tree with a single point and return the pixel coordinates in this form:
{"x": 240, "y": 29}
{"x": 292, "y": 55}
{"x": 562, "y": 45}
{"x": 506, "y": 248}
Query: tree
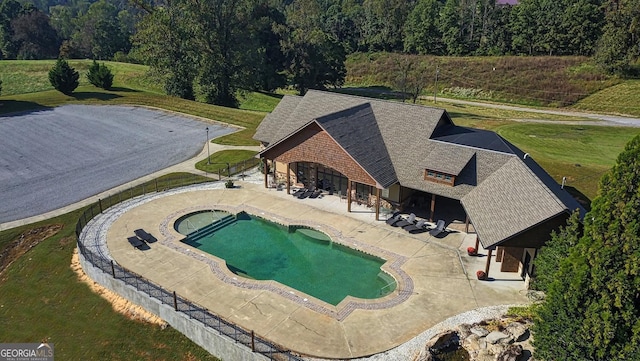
{"x": 384, "y": 23}
{"x": 166, "y": 42}
{"x": 316, "y": 59}
{"x": 34, "y": 36}
{"x": 592, "y": 310}
{"x": 99, "y": 75}
{"x": 9, "y": 10}
{"x": 99, "y": 32}
{"x": 556, "y": 250}
{"x": 63, "y": 77}
{"x": 618, "y": 47}
{"x": 421, "y": 33}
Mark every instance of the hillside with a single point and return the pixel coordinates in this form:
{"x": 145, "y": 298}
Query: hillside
{"x": 537, "y": 81}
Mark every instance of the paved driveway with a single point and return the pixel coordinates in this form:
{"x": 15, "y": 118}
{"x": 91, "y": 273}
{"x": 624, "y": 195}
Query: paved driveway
{"x": 56, "y": 157}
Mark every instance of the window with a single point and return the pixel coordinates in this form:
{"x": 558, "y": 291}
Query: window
{"x": 438, "y": 177}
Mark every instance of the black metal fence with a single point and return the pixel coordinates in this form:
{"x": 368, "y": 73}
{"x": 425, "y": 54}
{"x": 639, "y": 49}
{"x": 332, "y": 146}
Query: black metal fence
{"x": 193, "y": 310}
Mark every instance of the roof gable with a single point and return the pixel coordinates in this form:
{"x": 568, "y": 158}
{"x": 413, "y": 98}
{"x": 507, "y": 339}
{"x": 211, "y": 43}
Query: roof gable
{"x": 508, "y": 202}
{"x": 356, "y": 131}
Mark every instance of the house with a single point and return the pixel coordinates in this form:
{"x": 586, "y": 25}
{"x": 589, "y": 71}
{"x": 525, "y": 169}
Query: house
{"x": 405, "y": 155}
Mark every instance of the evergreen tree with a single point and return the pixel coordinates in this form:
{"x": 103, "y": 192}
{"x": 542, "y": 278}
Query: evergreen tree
{"x": 63, "y": 77}
{"x": 592, "y": 310}
{"x": 100, "y": 76}
{"x": 555, "y": 251}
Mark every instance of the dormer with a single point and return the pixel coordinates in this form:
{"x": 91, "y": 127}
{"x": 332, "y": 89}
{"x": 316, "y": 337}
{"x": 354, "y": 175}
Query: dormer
{"x": 445, "y": 162}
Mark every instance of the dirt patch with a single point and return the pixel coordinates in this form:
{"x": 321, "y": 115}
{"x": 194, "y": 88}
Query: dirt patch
{"x": 119, "y": 303}
{"x": 24, "y": 242}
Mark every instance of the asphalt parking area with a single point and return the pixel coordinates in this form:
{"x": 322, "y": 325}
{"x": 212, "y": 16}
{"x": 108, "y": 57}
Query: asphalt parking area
{"x": 55, "y": 157}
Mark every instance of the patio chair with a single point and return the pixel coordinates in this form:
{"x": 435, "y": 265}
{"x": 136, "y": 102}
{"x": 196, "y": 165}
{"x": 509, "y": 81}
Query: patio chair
{"x": 439, "y": 228}
{"x": 135, "y": 242}
{"x": 307, "y": 193}
{"x": 143, "y": 235}
{"x": 395, "y": 217}
{"x": 419, "y": 227}
{"x": 299, "y": 192}
{"x": 406, "y": 222}
{"x": 315, "y": 193}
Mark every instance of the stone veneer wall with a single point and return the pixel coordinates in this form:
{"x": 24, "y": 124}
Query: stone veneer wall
{"x": 314, "y": 145}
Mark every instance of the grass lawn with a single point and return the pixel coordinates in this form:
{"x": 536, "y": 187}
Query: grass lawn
{"x": 580, "y": 153}
{"x": 619, "y": 99}
{"x": 41, "y": 299}
{"x": 218, "y": 161}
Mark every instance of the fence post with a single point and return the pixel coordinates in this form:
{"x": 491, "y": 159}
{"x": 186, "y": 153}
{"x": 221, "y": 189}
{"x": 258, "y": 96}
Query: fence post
{"x": 100, "y": 204}
{"x": 113, "y": 270}
{"x": 175, "y": 301}
{"x": 253, "y": 342}
{"x": 228, "y": 170}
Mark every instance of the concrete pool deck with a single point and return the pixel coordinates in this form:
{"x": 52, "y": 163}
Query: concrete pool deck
{"x": 442, "y": 275}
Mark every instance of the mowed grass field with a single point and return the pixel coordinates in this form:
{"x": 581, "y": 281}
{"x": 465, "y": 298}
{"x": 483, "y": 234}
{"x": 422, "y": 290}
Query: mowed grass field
{"x": 40, "y": 297}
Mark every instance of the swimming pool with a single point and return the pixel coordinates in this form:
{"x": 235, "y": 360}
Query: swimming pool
{"x": 299, "y": 257}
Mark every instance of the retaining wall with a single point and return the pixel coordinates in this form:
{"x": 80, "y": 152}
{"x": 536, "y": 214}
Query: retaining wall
{"x": 218, "y": 345}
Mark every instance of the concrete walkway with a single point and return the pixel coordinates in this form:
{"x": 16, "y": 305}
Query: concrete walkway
{"x": 436, "y": 270}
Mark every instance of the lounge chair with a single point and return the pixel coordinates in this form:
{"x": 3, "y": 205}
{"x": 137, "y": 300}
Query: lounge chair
{"x": 315, "y": 193}
{"x": 406, "y": 222}
{"x": 135, "y": 242}
{"x": 419, "y": 227}
{"x": 299, "y": 192}
{"x": 394, "y": 218}
{"x": 143, "y": 235}
{"x": 439, "y": 228}
{"x": 306, "y": 193}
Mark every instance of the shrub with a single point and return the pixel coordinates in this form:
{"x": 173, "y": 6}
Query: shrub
{"x": 228, "y": 184}
{"x": 63, "y": 77}
{"x": 100, "y": 76}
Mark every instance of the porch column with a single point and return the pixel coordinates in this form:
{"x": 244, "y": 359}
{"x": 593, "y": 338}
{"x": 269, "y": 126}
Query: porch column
{"x": 288, "y": 179}
{"x": 348, "y": 195}
{"x": 486, "y": 268}
{"x": 266, "y": 174}
{"x": 377, "y": 204}
{"x": 477, "y": 242}
{"x": 274, "y": 171}
{"x": 433, "y": 207}
{"x": 466, "y": 227}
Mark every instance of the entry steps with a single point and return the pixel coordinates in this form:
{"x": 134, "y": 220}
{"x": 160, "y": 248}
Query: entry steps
{"x": 211, "y": 228}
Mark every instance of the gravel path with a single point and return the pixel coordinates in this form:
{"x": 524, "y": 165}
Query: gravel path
{"x": 52, "y": 158}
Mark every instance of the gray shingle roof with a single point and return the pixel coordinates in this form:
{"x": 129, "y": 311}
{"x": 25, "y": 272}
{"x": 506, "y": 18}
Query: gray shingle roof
{"x": 509, "y": 201}
{"x": 503, "y": 193}
{"x": 267, "y": 130}
{"x": 356, "y": 131}
{"x": 448, "y": 158}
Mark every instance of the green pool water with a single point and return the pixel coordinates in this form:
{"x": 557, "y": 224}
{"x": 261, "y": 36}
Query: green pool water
{"x": 304, "y": 259}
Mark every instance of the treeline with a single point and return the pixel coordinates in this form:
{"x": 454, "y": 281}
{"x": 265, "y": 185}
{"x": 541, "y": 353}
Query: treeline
{"x": 209, "y": 49}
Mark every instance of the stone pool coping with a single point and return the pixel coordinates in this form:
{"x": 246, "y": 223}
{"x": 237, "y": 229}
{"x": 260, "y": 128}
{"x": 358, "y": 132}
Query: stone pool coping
{"x": 392, "y": 266}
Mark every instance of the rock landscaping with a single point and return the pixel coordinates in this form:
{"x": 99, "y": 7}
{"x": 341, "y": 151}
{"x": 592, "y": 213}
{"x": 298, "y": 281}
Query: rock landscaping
{"x": 503, "y": 339}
